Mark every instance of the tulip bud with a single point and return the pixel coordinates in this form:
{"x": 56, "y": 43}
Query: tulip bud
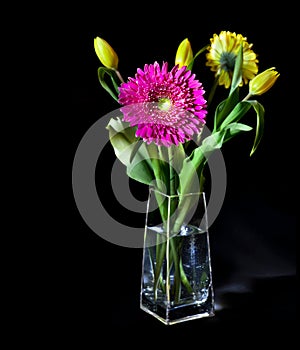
{"x": 184, "y": 55}
{"x": 263, "y": 82}
{"x": 106, "y": 53}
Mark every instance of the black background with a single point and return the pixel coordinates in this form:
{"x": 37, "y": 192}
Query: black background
{"x": 253, "y": 240}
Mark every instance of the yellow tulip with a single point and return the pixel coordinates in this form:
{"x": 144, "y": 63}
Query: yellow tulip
{"x": 184, "y": 55}
{"x": 263, "y": 82}
{"x": 106, "y": 53}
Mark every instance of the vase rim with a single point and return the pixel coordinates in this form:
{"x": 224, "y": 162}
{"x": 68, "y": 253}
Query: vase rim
{"x": 198, "y": 193}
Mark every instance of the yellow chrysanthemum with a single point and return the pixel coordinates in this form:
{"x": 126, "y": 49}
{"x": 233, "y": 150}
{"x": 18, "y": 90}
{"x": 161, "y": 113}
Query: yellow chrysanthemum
{"x": 222, "y": 54}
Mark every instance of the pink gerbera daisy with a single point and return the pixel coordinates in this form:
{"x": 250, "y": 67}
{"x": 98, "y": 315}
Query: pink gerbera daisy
{"x": 167, "y": 107}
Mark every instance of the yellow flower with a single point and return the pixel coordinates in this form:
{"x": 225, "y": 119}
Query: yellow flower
{"x": 106, "y": 53}
{"x": 263, "y": 81}
{"x": 184, "y": 55}
{"x": 222, "y": 54}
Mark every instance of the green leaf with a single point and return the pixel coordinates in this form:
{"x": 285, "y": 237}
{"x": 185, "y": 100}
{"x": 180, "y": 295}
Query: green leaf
{"x": 203, "y": 279}
{"x": 212, "y": 142}
{"x": 192, "y": 166}
{"x": 260, "y": 122}
{"x": 101, "y": 76}
{"x": 234, "y": 129}
{"x": 199, "y": 156}
{"x": 140, "y": 166}
{"x": 134, "y": 150}
{"x": 178, "y": 156}
{"x": 122, "y": 138}
{"x": 236, "y": 114}
{"x": 225, "y": 107}
{"x": 237, "y": 72}
{"x": 130, "y": 151}
{"x": 114, "y": 80}
{"x": 237, "y": 127}
{"x": 141, "y": 172}
{"x": 160, "y": 166}
{"x": 187, "y": 176}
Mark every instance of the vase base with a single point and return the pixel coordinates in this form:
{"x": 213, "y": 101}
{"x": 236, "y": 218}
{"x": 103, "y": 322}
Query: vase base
{"x": 170, "y": 316}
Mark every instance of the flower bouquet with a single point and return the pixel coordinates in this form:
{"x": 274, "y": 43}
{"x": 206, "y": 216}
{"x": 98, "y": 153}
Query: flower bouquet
{"x": 162, "y": 139}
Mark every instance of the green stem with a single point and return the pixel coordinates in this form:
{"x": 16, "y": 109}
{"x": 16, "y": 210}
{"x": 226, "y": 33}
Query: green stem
{"x": 212, "y": 91}
{"x": 247, "y": 97}
{"x": 172, "y": 186}
{"x": 177, "y": 279}
{"x": 171, "y": 172}
{"x": 184, "y": 279}
{"x": 160, "y": 254}
{"x": 173, "y": 242}
{"x": 184, "y": 206}
{"x": 119, "y": 76}
{"x": 155, "y": 154}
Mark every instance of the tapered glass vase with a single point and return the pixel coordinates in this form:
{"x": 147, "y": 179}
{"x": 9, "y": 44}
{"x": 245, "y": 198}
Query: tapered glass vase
{"x": 176, "y": 283}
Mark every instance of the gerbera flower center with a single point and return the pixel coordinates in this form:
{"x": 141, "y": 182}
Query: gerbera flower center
{"x": 164, "y": 104}
{"x": 227, "y": 61}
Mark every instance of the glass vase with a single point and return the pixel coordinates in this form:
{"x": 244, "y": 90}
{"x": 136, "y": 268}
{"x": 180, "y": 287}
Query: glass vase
{"x": 176, "y": 283}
